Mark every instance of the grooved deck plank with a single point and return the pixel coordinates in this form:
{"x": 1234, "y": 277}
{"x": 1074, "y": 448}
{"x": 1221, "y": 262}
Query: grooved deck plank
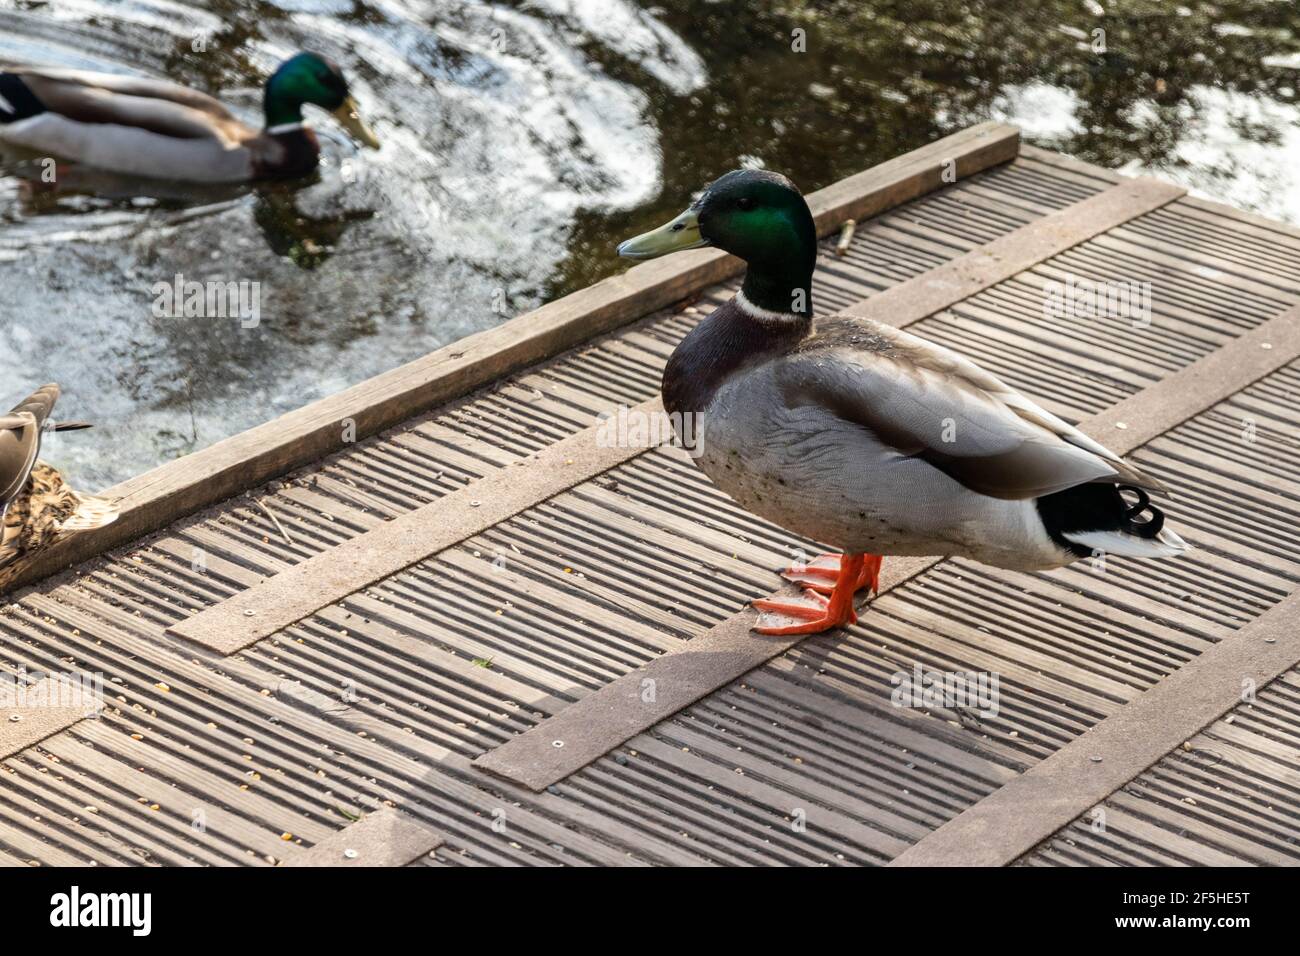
{"x": 1013, "y": 253}
{"x": 617, "y": 712}
{"x": 385, "y": 696}
{"x": 291, "y": 595}
{"x": 1033, "y": 806}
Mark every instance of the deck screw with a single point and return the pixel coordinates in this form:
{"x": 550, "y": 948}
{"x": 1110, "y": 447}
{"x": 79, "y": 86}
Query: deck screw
{"x": 350, "y": 854}
{"x": 557, "y": 743}
{"x": 14, "y": 718}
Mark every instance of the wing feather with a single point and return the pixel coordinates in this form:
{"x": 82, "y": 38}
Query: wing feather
{"x": 928, "y": 402}
{"x": 155, "y": 105}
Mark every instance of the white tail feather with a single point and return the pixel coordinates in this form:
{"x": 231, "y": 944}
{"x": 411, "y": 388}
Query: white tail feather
{"x": 1164, "y": 545}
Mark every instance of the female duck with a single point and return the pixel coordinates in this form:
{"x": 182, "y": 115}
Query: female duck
{"x": 36, "y": 504}
{"x": 161, "y": 130}
{"x": 867, "y": 437}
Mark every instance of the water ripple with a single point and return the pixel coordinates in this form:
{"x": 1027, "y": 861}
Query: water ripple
{"x": 500, "y": 126}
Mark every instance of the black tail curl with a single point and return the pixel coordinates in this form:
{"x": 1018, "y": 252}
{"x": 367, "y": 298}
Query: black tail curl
{"x": 1143, "y": 529}
{"x": 1098, "y": 507}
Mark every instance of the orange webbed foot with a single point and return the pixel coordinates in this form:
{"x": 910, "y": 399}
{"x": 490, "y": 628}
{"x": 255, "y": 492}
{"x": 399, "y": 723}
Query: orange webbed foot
{"x": 811, "y": 613}
{"x": 823, "y": 572}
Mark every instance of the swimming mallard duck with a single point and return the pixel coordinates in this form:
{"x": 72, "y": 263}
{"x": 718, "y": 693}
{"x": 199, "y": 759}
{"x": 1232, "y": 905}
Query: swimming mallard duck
{"x": 36, "y": 504}
{"x": 162, "y": 130}
{"x": 869, "y": 438}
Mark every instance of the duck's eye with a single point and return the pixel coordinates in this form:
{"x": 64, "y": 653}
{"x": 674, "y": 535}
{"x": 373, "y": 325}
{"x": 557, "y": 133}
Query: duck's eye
{"x": 744, "y": 203}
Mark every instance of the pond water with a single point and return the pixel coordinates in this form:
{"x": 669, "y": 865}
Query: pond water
{"x": 521, "y": 140}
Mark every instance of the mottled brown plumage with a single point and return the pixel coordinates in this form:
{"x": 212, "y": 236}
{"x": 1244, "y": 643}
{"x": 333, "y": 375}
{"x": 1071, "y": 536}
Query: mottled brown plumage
{"x": 37, "y": 505}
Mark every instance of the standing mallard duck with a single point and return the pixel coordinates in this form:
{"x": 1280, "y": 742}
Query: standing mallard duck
{"x": 867, "y": 437}
{"x": 161, "y": 130}
{"x": 36, "y": 504}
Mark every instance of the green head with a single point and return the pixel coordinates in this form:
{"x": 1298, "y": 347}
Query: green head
{"x": 310, "y": 78}
{"x": 758, "y": 216}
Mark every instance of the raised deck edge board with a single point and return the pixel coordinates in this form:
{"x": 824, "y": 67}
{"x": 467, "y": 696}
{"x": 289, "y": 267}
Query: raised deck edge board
{"x": 162, "y": 495}
{"x": 602, "y": 720}
{"x": 296, "y": 592}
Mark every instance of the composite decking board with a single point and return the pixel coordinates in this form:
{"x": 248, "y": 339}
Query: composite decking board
{"x": 850, "y": 770}
{"x": 1240, "y": 280}
{"x": 233, "y": 821}
{"x": 296, "y": 592}
{"x": 624, "y": 803}
{"x": 290, "y": 596}
{"x": 1252, "y": 833}
{"x": 383, "y": 764}
{"x": 160, "y": 824}
{"x": 1149, "y": 846}
{"x": 10, "y": 861}
{"x": 1063, "y": 786}
{"x": 870, "y": 772}
{"x": 1067, "y": 166}
{"x": 1273, "y": 246}
{"x": 601, "y": 721}
{"x": 1016, "y": 251}
{"x": 1230, "y": 790}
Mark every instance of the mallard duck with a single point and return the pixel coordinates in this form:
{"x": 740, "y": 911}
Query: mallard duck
{"x": 867, "y": 437}
{"x": 36, "y": 504}
{"x": 162, "y": 130}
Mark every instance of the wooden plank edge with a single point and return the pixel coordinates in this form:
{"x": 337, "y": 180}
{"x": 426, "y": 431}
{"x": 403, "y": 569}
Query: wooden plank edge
{"x": 171, "y": 491}
{"x": 1028, "y": 809}
{"x": 291, "y": 595}
{"x": 612, "y": 715}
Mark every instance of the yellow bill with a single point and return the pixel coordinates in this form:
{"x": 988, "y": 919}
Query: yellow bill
{"x": 682, "y": 233}
{"x": 351, "y": 121}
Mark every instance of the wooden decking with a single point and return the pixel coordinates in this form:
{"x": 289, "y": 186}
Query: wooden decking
{"x": 480, "y": 636}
